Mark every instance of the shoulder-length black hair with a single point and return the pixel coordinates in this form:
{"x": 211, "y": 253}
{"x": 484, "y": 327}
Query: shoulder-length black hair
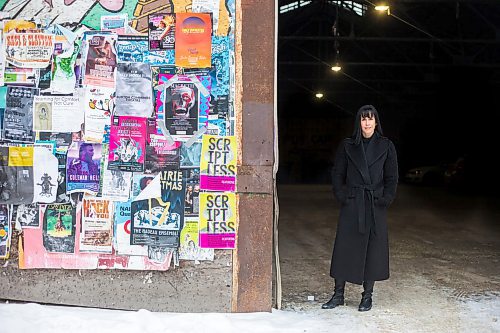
{"x": 363, "y": 112}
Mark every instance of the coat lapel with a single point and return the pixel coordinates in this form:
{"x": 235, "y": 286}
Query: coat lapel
{"x": 357, "y": 155}
{"x": 375, "y": 150}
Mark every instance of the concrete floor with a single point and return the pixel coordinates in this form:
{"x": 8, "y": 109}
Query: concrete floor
{"x": 445, "y": 261}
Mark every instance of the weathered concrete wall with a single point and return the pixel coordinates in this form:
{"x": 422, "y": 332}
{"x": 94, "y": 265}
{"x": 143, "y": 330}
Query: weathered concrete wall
{"x": 190, "y": 288}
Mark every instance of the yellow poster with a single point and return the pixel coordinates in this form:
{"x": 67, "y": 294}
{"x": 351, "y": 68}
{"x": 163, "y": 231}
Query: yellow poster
{"x": 218, "y": 163}
{"x": 217, "y": 220}
{"x": 21, "y": 156}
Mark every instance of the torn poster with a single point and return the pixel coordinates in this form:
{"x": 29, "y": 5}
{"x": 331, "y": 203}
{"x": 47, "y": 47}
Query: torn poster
{"x": 114, "y": 23}
{"x": 27, "y": 216}
{"x": 97, "y": 225}
{"x": 104, "y": 166}
{"x": 159, "y": 254}
{"x": 190, "y": 156}
{"x": 193, "y": 40}
{"x": 122, "y": 232}
{"x": 3, "y": 104}
{"x": 62, "y": 140}
{"x": 218, "y": 220}
{"x": 49, "y": 145}
{"x": 218, "y": 163}
{"x": 5, "y": 232}
{"x": 20, "y": 76}
{"x": 139, "y": 183}
{"x": 63, "y": 70}
{"x": 133, "y": 90}
{"x": 2, "y": 60}
{"x": 16, "y": 175}
{"x": 83, "y": 167}
{"x": 221, "y": 62}
{"x": 127, "y": 143}
{"x": 59, "y": 222}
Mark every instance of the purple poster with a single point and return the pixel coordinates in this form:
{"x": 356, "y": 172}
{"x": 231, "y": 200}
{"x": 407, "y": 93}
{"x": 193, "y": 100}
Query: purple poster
{"x": 83, "y": 167}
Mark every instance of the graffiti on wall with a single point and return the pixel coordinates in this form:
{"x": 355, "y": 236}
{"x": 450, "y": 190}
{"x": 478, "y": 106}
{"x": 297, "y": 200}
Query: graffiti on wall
{"x": 89, "y": 12}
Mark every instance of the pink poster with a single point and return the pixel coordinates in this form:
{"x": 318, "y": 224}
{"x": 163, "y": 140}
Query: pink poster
{"x": 127, "y": 143}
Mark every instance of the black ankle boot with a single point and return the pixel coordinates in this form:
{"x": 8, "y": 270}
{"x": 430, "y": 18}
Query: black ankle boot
{"x": 366, "y": 303}
{"x": 338, "y": 296}
{"x": 366, "y": 299}
{"x": 335, "y": 301}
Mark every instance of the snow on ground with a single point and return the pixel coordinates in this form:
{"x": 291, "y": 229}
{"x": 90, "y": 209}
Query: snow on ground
{"x": 479, "y": 314}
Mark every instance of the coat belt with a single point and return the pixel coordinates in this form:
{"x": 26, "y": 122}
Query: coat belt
{"x": 361, "y": 205}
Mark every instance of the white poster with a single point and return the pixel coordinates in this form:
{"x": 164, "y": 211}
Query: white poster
{"x": 98, "y": 106}
{"x": 45, "y": 175}
{"x": 58, "y": 114}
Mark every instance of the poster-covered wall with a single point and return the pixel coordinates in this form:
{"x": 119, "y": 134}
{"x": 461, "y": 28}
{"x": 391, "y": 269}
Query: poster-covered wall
{"x": 134, "y": 109}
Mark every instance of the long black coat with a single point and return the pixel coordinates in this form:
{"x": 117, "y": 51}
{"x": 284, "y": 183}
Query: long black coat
{"x": 365, "y": 184}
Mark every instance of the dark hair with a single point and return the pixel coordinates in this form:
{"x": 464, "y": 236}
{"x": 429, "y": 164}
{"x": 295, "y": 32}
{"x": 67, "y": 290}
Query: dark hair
{"x": 144, "y": 181}
{"x": 363, "y": 112}
{"x": 83, "y": 146}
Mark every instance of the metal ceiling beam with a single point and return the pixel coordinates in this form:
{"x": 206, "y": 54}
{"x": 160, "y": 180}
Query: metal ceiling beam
{"x": 334, "y": 80}
{"x": 388, "y": 64}
{"x": 389, "y": 39}
{"x": 395, "y": 3}
{"x": 286, "y": 2}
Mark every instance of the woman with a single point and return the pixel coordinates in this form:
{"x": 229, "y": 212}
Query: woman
{"x": 364, "y": 177}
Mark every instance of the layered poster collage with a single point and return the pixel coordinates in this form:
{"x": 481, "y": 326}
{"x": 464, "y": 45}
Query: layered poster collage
{"x": 117, "y": 148}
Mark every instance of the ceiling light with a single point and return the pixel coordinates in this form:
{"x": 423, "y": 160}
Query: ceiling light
{"x": 383, "y": 8}
{"x": 336, "y": 68}
{"x": 319, "y": 95}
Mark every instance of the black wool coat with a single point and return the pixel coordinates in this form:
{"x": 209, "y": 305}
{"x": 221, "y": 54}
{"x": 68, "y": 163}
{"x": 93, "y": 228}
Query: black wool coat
{"x": 365, "y": 185}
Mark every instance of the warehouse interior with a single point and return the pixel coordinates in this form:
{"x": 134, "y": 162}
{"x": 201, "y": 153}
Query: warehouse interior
{"x": 432, "y": 70}
{"x": 429, "y": 67}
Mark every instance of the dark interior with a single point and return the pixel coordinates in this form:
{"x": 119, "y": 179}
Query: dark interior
{"x": 431, "y": 68}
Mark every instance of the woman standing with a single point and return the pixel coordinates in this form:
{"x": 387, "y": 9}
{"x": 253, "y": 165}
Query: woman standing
{"x": 365, "y": 177}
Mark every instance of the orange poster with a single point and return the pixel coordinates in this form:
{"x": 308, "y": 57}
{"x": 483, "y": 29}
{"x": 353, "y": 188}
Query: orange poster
{"x": 193, "y": 42}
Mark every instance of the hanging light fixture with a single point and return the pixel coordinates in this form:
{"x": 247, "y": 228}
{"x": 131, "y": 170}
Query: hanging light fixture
{"x": 383, "y": 8}
{"x": 336, "y": 67}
